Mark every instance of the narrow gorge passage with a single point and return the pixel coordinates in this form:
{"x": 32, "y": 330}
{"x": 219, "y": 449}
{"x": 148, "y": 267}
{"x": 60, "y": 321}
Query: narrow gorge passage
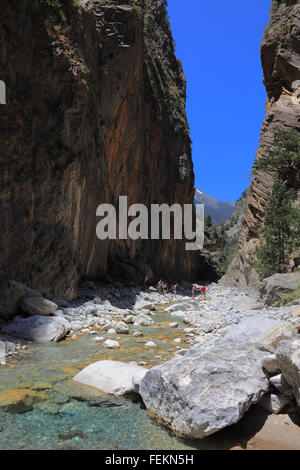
{"x": 149, "y": 289}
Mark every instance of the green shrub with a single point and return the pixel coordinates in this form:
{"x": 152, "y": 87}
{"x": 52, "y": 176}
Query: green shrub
{"x": 289, "y": 297}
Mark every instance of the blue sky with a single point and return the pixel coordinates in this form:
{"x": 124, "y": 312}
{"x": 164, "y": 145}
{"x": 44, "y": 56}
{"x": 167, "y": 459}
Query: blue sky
{"x": 219, "y": 45}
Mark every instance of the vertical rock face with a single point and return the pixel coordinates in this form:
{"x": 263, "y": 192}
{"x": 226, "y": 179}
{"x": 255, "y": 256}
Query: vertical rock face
{"x": 95, "y": 109}
{"x": 280, "y": 53}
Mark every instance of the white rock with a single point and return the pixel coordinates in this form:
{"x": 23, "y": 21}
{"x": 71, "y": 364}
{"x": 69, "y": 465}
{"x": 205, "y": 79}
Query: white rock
{"x": 109, "y": 325}
{"x": 150, "y": 344}
{"x": 76, "y": 325}
{"x": 173, "y": 325}
{"x": 110, "y": 344}
{"x": 111, "y": 331}
{"x": 129, "y": 319}
{"x": 203, "y": 392}
{"x": 273, "y": 403}
{"x": 250, "y": 329}
{"x": 115, "y": 378}
{"x": 189, "y": 330}
{"x": 143, "y": 320}
{"x": 38, "y": 328}
{"x": 279, "y": 382}
{"x": 121, "y": 328}
{"x": 175, "y": 307}
{"x": 98, "y": 339}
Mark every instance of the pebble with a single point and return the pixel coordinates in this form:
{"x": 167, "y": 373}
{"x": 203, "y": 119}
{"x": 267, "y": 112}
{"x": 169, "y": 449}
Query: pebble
{"x": 189, "y": 330}
{"x": 97, "y": 339}
{"x": 150, "y": 344}
{"x": 110, "y": 344}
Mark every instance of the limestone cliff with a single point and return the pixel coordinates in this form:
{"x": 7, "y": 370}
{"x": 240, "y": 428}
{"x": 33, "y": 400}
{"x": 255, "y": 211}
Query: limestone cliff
{"x": 280, "y": 53}
{"x": 95, "y": 109}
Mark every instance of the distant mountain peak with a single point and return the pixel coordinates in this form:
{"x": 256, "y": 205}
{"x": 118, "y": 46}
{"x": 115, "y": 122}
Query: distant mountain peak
{"x": 218, "y": 210}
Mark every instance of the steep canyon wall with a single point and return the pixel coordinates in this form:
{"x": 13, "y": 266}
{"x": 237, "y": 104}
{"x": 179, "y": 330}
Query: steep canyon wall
{"x": 95, "y": 109}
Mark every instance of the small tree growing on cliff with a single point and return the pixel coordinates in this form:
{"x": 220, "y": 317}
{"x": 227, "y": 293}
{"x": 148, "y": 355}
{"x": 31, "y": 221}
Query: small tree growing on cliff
{"x": 281, "y": 230}
{"x": 280, "y": 233}
{"x": 284, "y": 158}
{"x": 208, "y": 221}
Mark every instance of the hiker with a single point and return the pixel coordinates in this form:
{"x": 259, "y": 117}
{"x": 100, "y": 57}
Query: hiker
{"x": 174, "y": 290}
{"x": 165, "y": 288}
{"x": 194, "y": 291}
{"x": 159, "y": 286}
{"x": 203, "y": 291}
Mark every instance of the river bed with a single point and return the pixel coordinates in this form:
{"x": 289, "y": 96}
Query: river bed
{"x": 41, "y": 407}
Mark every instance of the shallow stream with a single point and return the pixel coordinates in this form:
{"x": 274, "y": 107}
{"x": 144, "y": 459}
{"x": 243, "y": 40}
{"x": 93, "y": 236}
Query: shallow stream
{"x": 42, "y": 408}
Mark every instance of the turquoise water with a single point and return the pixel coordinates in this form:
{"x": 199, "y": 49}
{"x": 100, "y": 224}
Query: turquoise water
{"x": 42, "y": 408}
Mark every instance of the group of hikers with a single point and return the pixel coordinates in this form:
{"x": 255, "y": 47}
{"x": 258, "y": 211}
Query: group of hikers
{"x": 201, "y": 289}
{"x": 162, "y": 288}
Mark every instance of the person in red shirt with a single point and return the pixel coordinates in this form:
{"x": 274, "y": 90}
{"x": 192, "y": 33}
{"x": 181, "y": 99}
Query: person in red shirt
{"x": 203, "y": 291}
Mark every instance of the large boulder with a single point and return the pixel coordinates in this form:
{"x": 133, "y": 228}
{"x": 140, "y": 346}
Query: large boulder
{"x": 8, "y": 346}
{"x": 37, "y": 306}
{"x": 179, "y": 306}
{"x": 143, "y": 320}
{"x": 270, "y": 364}
{"x": 121, "y": 328}
{"x": 250, "y": 329}
{"x": 38, "y": 328}
{"x": 277, "y": 334}
{"x": 2, "y": 350}
{"x": 288, "y": 358}
{"x": 11, "y": 292}
{"x": 272, "y": 287}
{"x": 115, "y": 378}
{"x": 205, "y": 391}
{"x": 247, "y": 303}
